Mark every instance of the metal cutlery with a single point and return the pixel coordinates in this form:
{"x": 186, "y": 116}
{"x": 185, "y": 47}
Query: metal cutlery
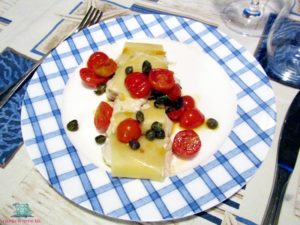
{"x": 92, "y": 16}
{"x": 288, "y": 148}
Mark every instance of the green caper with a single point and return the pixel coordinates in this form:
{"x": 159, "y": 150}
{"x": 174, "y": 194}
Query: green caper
{"x": 101, "y": 89}
{"x": 134, "y": 144}
{"x": 128, "y": 70}
{"x": 212, "y": 123}
{"x": 150, "y": 135}
{"x": 73, "y": 125}
{"x": 156, "y": 126}
{"x": 160, "y": 134}
{"x": 139, "y": 116}
{"x": 155, "y": 94}
{"x": 100, "y": 139}
{"x": 178, "y": 103}
{"x": 158, "y": 105}
{"x": 164, "y": 100}
{"x": 146, "y": 67}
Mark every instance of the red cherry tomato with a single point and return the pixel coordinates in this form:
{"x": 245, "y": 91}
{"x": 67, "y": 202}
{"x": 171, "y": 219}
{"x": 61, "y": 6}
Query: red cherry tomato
{"x": 138, "y": 85}
{"x": 102, "y": 116}
{"x": 186, "y": 144}
{"x": 90, "y": 79}
{"x": 101, "y": 64}
{"x": 191, "y": 118}
{"x": 107, "y": 69}
{"x": 96, "y": 60}
{"x": 188, "y": 102}
{"x": 128, "y": 130}
{"x": 175, "y": 92}
{"x": 174, "y": 114}
{"x": 162, "y": 80}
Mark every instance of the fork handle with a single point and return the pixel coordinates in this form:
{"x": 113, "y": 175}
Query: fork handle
{"x": 10, "y": 92}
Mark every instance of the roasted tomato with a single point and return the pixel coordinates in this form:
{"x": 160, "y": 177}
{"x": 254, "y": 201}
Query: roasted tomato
{"x": 188, "y": 102}
{"x": 101, "y": 64}
{"x": 186, "y": 144}
{"x": 191, "y": 118}
{"x": 162, "y": 80}
{"x": 90, "y": 79}
{"x": 138, "y": 85}
{"x": 175, "y": 92}
{"x": 128, "y": 130}
{"x": 102, "y": 116}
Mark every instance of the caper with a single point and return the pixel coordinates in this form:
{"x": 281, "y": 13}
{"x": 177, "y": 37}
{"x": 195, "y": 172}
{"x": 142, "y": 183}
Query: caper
{"x": 150, "y": 135}
{"x": 164, "y": 100}
{"x": 139, "y": 116}
{"x": 158, "y": 105}
{"x": 160, "y": 134}
{"x": 156, "y": 126}
{"x": 212, "y": 123}
{"x": 134, "y": 144}
{"x": 178, "y": 103}
{"x": 73, "y": 125}
{"x": 101, "y": 89}
{"x": 100, "y": 139}
{"x": 170, "y": 109}
{"x": 128, "y": 70}
{"x": 155, "y": 94}
{"x": 146, "y": 67}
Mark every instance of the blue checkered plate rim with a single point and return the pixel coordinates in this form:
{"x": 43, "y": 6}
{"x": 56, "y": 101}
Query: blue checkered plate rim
{"x": 222, "y": 175}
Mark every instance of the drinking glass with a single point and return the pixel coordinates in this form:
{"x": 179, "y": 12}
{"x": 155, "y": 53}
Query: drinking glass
{"x": 247, "y": 17}
{"x": 283, "y": 46}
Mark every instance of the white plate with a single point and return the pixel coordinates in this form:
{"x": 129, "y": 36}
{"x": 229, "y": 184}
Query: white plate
{"x": 200, "y": 77}
{"x": 227, "y": 164}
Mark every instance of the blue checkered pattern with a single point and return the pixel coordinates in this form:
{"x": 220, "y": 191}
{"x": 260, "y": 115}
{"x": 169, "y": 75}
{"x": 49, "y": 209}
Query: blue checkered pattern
{"x": 142, "y": 200}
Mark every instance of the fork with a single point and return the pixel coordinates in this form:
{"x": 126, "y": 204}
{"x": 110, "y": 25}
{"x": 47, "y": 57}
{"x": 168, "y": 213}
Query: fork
{"x": 92, "y": 16}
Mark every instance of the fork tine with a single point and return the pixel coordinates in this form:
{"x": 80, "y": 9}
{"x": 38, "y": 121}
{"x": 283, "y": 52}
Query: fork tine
{"x": 86, "y": 17}
{"x": 99, "y": 17}
{"x": 96, "y": 17}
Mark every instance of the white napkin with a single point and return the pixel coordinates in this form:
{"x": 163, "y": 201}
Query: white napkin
{"x": 36, "y": 26}
{"x": 200, "y": 10}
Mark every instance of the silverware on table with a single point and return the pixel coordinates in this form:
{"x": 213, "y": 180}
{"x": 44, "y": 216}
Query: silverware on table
{"x": 92, "y": 16}
{"x": 288, "y": 148}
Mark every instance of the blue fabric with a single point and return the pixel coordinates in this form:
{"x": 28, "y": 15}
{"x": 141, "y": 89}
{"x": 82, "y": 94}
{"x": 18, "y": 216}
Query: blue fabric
{"x": 12, "y": 66}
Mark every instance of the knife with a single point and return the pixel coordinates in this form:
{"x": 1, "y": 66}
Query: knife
{"x": 288, "y": 147}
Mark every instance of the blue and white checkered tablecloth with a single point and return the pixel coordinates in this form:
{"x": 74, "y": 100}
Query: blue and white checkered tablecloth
{"x": 192, "y": 192}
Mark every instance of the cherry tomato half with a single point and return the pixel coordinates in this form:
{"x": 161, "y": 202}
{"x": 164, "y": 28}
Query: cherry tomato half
{"x": 188, "y": 102}
{"x": 96, "y": 60}
{"x": 102, "y": 116}
{"x": 191, "y": 118}
{"x": 138, "y": 85}
{"x": 90, "y": 79}
{"x": 107, "y": 69}
{"x": 186, "y": 144}
{"x": 175, "y": 92}
{"x": 101, "y": 64}
{"x": 162, "y": 80}
{"x": 128, "y": 130}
